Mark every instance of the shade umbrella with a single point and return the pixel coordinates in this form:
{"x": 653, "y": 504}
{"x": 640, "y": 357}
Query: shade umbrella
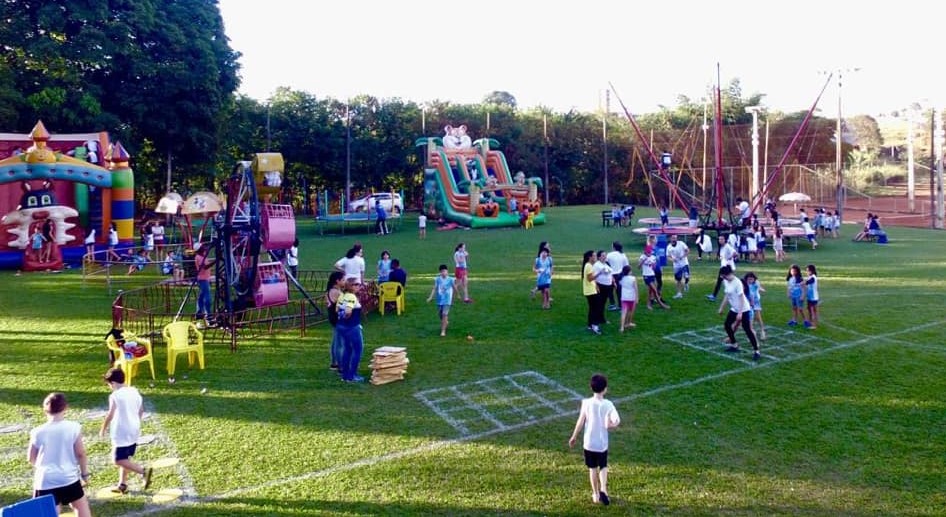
{"x": 795, "y": 197}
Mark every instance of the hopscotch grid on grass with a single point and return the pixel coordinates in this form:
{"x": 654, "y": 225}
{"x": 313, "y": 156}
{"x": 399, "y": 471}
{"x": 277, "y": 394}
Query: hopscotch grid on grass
{"x": 490, "y": 398}
{"x": 780, "y": 344}
{"x": 442, "y": 444}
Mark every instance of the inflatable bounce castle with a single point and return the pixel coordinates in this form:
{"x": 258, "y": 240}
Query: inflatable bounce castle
{"x": 54, "y": 191}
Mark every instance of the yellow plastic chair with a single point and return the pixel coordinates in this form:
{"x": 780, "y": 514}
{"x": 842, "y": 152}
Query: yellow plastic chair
{"x": 391, "y": 292}
{"x": 183, "y": 337}
{"x": 130, "y": 365}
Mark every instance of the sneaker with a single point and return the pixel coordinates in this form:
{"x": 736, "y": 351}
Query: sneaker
{"x": 333, "y": 366}
{"x": 596, "y": 329}
{"x": 147, "y": 477}
{"x": 732, "y": 348}
{"x": 678, "y": 296}
{"x": 792, "y": 323}
{"x": 711, "y": 297}
{"x": 120, "y": 489}
{"x": 468, "y": 300}
{"x": 603, "y": 497}
{"x": 807, "y": 324}
{"x": 357, "y": 378}
{"x": 756, "y": 355}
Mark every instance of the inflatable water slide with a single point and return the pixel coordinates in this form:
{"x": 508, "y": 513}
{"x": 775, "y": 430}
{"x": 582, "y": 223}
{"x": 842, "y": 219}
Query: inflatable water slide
{"x": 469, "y": 184}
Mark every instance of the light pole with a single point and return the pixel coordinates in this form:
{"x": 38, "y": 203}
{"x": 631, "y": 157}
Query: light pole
{"x": 938, "y": 136}
{"x": 911, "y": 165}
{"x": 545, "y": 139}
{"x": 755, "y": 149}
{"x": 604, "y": 140}
{"x": 347, "y": 155}
{"x": 839, "y": 164}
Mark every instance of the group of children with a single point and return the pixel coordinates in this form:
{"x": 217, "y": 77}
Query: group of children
{"x": 58, "y": 454}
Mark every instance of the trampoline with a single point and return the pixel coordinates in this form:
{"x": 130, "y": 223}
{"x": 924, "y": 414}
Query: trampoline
{"x": 667, "y": 230}
{"x": 356, "y": 219}
{"x": 655, "y": 221}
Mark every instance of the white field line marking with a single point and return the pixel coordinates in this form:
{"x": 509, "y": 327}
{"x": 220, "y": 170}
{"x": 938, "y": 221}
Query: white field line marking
{"x": 721, "y": 353}
{"x": 548, "y": 403}
{"x": 374, "y": 460}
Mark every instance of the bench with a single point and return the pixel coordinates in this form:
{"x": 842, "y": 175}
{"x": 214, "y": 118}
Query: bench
{"x": 606, "y": 219}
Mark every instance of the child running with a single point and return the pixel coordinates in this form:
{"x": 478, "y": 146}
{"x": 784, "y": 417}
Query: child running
{"x": 597, "y": 417}
{"x": 628, "y": 285}
{"x": 123, "y": 422}
{"x": 646, "y": 262}
{"x": 812, "y": 297}
{"x": 755, "y": 300}
{"x": 444, "y": 287}
{"x": 796, "y": 295}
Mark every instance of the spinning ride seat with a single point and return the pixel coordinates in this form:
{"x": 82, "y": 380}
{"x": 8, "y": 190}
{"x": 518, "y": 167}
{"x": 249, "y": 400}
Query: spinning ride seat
{"x": 277, "y": 226}
{"x": 126, "y": 360}
{"x": 183, "y": 337}
{"x": 392, "y": 292}
{"x": 270, "y": 285}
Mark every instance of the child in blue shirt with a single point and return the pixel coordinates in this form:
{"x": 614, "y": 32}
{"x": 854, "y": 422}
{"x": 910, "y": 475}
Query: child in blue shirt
{"x": 444, "y": 287}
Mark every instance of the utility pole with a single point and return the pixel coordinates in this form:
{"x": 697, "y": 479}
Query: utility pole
{"x": 604, "y": 139}
{"x": 347, "y": 155}
{"x": 911, "y": 165}
{"x": 839, "y": 162}
{"x": 938, "y": 136}
{"x": 755, "y": 150}
{"x": 545, "y": 139}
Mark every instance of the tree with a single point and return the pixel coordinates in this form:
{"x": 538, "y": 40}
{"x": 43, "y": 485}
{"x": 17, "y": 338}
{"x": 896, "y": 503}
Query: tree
{"x": 866, "y": 133}
{"x": 501, "y": 98}
{"x": 141, "y": 69}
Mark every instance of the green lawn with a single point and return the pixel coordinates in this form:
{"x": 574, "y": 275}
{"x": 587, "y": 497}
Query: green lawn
{"x": 848, "y": 419}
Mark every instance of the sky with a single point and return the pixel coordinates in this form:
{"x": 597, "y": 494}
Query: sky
{"x": 563, "y": 55}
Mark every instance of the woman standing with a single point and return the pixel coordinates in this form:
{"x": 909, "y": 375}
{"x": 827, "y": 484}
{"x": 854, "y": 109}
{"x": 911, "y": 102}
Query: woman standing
{"x": 58, "y": 454}
{"x": 589, "y": 288}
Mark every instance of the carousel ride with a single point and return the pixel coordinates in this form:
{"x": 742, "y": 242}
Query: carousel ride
{"x": 244, "y": 235}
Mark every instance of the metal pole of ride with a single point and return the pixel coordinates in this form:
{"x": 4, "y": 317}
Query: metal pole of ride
{"x": 604, "y": 140}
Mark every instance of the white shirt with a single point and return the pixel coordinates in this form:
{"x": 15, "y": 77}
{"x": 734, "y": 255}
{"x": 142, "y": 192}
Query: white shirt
{"x": 158, "y": 232}
{"x": 647, "y": 263}
{"x": 292, "y": 258}
{"x": 706, "y": 244}
{"x": 744, "y": 210}
{"x": 422, "y": 221}
{"x": 678, "y": 254}
{"x": 735, "y": 295}
{"x": 90, "y": 238}
{"x": 617, "y": 260}
{"x": 352, "y": 267}
{"x": 726, "y": 255}
{"x": 628, "y": 288}
{"x": 807, "y": 227}
{"x": 125, "y": 427}
{"x": 602, "y": 272}
{"x": 56, "y": 462}
{"x": 113, "y": 238}
{"x": 459, "y": 259}
{"x": 598, "y": 412}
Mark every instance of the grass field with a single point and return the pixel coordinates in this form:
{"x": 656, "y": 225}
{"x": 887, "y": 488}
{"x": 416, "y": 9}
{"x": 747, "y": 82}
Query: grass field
{"x": 848, "y": 419}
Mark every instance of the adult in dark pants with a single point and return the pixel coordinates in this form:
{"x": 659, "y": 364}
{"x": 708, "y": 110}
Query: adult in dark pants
{"x": 589, "y": 289}
{"x": 739, "y": 311}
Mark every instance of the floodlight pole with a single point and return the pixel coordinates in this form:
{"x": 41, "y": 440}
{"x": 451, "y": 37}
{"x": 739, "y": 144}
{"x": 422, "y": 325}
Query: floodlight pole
{"x": 838, "y": 161}
{"x": 911, "y": 164}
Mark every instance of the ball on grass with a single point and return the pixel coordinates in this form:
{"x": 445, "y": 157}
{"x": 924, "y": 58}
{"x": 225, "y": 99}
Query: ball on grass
{"x": 469, "y": 337}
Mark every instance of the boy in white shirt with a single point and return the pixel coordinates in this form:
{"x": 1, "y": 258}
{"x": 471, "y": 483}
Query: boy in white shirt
{"x": 597, "y": 416}
{"x": 422, "y": 225}
{"x": 123, "y": 421}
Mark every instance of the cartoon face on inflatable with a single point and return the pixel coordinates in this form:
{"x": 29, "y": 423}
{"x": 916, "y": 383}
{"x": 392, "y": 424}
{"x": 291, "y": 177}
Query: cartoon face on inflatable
{"x": 35, "y": 206}
{"x": 451, "y": 137}
{"x": 41, "y": 198}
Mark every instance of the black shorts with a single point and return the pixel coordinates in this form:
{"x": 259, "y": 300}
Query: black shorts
{"x": 123, "y": 453}
{"x": 64, "y": 494}
{"x": 596, "y": 459}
